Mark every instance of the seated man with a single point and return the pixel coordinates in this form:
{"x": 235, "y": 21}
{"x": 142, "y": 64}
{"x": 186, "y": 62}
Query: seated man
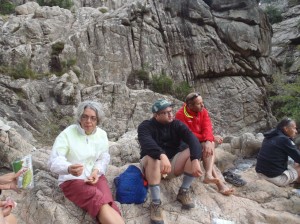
{"x": 163, "y": 153}
{"x": 196, "y": 117}
{"x": 272, "y": 159}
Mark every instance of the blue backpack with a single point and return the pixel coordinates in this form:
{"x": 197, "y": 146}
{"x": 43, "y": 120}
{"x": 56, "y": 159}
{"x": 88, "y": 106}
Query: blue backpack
{"x": 131, "y": 186}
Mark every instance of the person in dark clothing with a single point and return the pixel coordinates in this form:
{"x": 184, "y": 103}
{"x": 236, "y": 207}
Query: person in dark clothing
{"x": 272, "y": 159}
{"x": 168, "y": 148}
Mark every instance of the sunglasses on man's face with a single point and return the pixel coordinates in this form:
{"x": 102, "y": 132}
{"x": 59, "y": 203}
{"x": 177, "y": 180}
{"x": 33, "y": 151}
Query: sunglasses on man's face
{"x": 191, "y": 98}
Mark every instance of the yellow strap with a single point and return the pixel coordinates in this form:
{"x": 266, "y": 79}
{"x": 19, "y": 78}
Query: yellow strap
{"x": 186, "y": 113}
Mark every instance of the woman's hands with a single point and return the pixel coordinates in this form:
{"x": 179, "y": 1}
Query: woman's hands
{"x": 75, "y": 169}
{"x": 93, "y": 178}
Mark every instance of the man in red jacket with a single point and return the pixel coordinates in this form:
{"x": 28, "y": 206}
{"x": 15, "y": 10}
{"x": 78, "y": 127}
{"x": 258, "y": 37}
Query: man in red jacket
{"x": 196, "y": 117}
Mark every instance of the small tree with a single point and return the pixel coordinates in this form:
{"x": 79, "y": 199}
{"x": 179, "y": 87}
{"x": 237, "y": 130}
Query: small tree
{"x": 66, "y": 4}
{"x": 285, "y": 98}
{"x": 181, "y": 90}
{"x": 162, "y": 84}
{"x": 6, "y": 7}
{"x": 274, "y": 14}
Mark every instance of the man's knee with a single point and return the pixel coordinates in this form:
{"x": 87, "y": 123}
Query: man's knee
{"x": 150, "y": 163}
{"x": 185, "y": 154}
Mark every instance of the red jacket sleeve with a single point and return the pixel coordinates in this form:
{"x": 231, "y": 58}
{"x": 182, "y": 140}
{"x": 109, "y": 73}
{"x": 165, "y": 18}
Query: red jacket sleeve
{"x": 206, "y": 131}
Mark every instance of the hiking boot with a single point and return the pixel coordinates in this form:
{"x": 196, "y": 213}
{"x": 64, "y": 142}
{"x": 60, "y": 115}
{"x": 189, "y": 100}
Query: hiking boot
{"x": 185, "y": 199}
{"x": 156, "y": 214}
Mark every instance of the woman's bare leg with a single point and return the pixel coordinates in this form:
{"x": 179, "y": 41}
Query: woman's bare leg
{"x": 108, "y": 215}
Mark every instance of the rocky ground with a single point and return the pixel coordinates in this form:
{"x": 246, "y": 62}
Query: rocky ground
{"x": 257, "y": 202}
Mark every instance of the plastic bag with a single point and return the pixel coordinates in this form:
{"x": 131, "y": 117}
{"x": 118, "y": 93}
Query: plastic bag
{"x": 25, "y": 181}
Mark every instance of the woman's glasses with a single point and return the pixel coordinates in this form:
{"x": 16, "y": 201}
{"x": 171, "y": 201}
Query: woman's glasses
{"x": 86, "y": 118}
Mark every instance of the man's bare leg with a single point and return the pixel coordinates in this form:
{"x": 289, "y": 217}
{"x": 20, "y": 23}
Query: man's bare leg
{"x": 152, "y": 170}
{"x": 183, "y": 163}
{"x": 222, "y": 187}
{"x": 297, "y": 168}
{"x": 210, "y": 174}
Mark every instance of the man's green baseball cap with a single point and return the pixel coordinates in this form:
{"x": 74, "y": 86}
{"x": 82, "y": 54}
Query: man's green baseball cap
{"x": 161, "y": 104}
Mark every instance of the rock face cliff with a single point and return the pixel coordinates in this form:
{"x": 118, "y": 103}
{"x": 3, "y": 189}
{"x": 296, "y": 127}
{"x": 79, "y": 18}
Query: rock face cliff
{"x": 221, "y": 48}
{"x": 286, "y": 39}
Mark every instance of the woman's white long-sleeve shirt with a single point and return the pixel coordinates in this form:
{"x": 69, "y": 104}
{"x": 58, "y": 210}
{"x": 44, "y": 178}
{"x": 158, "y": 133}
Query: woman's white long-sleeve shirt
{"x": 73, "y": 146}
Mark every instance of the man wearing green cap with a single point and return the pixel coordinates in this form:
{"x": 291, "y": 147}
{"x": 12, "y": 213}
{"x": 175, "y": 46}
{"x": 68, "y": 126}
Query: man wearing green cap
{"x": 169, "y": 148}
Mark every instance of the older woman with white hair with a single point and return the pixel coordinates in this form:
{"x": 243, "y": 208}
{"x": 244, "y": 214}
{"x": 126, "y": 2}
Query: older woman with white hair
{"x": 80, "y": 156}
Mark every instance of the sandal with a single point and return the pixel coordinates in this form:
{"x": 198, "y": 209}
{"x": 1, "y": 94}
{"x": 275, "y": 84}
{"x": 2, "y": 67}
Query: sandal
{"x": 234, "y": 179}
{"x": 231, "y": 173}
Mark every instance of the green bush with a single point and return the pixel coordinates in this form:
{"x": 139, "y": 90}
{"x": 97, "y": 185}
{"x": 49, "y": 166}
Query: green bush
{"x": 6, "y": 7}
{"x": 285, "y": 98}
{"x": 288, "y": 63}
{"x": 273, "y": 14}
{"x": 66, "y": 4}
{"x": 141, "y": 75}
{"x": 181, "y": 90}
{"x": 103, "y": 10}
{"x": 21, "y": 70}
{"x": 56, "y": 65}
{"x": 162, "y": 84}
{"x": 57, "y": 48}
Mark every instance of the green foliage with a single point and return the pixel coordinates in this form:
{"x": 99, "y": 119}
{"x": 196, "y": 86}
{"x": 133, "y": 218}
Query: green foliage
{"x": 274, "y": 14}
{"x": 285, "y": 98}
{"x": 66, "y": 66}
{"x": 6, "y": 7}
{"x": 57, "y": 48}
{"x": 67, "y": 4}
{"x": 165, "y": 85}
{"x": 21, "y": 70}
{"x": 288, "y": 63}
{"x": 68, "y": 63}
{"x": 141, "y": 75}
{"x": 162, "y": 84}
{"x": 103, "y": 10}
{"x": 56, "y": 65}
{"x": 181, "y": 90}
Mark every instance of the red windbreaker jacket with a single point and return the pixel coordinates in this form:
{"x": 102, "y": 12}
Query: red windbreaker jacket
{"x": 199, "y": 123}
